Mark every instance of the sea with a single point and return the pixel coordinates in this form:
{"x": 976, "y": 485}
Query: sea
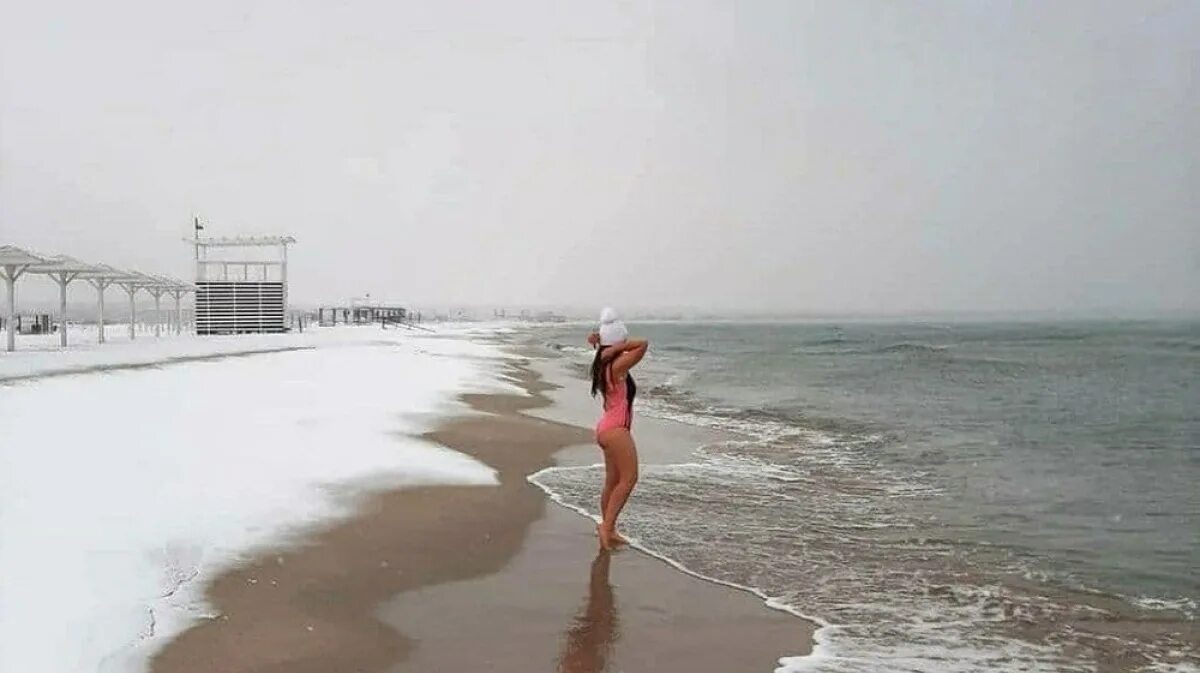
{"x": 937, "y": 496}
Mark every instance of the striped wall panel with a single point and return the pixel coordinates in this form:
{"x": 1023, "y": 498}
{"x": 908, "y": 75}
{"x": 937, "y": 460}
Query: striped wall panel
{"x": 239, "y": 307}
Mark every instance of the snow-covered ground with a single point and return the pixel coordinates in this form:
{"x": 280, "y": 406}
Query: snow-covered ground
{"x": 41, "y": 354}
{"x": 123, "y": 489}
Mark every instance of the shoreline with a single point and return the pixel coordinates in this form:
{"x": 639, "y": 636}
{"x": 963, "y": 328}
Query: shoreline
{"x": 337, "y": 598}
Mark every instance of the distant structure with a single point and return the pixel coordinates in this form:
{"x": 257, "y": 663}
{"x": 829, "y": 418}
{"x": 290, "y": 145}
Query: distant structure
{"x": 364, "y": 312}
{"x": 242, "y": 289}
{"x": 34, "y": 323}
{"x": 548, "y": 316}
{"x": 527, "y": 315}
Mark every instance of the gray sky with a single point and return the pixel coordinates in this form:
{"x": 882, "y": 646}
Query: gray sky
{"x": 786, "y": 156}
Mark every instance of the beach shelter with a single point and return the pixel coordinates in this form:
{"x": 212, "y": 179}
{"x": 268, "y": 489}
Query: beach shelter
{"x": 100, "y": 277}
{"x": 177, "y": 289}
{"x": 14, "y": 262}
{"x": 157, "y": 286}
{"x": 131, "y": 282}
{"x": 64, "y": 270}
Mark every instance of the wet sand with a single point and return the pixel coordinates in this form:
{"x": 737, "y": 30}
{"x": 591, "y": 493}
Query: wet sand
{"x": 491, "y": 578}
{"x": 563, "y": 606}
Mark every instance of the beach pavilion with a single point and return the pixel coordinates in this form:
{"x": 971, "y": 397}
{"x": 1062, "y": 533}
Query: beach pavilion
{"x": 16, "y": 262}
{"x": 133, "y": 281}
{"x": 158, "y": 286}
{"x": 101, "y": 277}
{"x": 64, "y": 270}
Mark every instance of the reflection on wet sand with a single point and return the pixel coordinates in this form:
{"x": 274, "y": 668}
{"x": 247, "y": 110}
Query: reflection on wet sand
{"x": 589, "y": 642}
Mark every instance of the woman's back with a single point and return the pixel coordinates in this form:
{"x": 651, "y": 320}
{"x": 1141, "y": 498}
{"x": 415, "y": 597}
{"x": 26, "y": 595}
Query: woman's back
{"x": 616, "y": 391}
{"x": 617, "y": 412}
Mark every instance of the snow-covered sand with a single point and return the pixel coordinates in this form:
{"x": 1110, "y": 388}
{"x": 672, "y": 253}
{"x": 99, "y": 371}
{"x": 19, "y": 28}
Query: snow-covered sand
{"x": 41, "y": 354}
{"x": 123, "y": 490}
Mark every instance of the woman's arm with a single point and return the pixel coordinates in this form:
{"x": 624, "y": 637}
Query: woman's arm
{"x": 616, "y": 350}
{"x": 628, "y": 354}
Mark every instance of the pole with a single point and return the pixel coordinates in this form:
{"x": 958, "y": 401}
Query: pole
{"x": 157, "y": 313}
{"x": 283, "y": 276}
{"x": 132, "y": 290}
{"x": 196, "y": 244}
{"x": 101, "y": 284}
{"x": 178, "y": 311}
{"x": 62, "y": 309}
{"x": 10, "y": 278}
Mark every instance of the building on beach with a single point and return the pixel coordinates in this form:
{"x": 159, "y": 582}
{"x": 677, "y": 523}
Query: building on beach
{"x": 363, "y": 314}
{"x": 241, "y": 284}
{"x": 35, "y": 323}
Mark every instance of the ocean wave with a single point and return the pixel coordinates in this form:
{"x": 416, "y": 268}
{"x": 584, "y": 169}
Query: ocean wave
{"x": 872, "y": 546}
{"x": 1182, "y": 345}
{"x": 1182, "y": 605}
{"x": 830, "y": 341}
{"x": 567, "y": 348}
{"x": 918, "y": 636}
{"x": 679, "y": 348}
{"x": 910, "y": 347}
{"x": 890, "y": 592}
{"x": 673, "y": 400}
{"x": 882, "y": 602}
{"x": 857, "y": 348}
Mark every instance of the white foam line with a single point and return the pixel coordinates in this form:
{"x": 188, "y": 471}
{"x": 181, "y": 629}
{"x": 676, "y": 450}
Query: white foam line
{"x": 787, "y": 664}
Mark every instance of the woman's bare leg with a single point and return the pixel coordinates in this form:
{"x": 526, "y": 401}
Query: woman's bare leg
{"x": 610, "y": 482}
{"x": 621, "y": 453}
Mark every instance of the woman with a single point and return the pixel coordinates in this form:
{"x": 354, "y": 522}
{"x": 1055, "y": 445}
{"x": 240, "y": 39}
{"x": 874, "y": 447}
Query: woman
{"x": 616, "y": 354}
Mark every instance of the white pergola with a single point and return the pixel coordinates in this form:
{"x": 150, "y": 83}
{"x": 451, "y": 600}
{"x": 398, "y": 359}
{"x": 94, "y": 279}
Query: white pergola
{"x": 177, "y": 289}
{"x": 157, "y": 286}
{"x": 62, "y": 269}
{"x": 14, "y": 262}
{"x": 131, "y": 282}
{"x": 100, "y": 278}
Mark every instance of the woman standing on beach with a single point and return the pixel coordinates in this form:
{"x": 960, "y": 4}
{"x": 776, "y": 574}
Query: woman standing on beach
{"x": 616, "y": 354}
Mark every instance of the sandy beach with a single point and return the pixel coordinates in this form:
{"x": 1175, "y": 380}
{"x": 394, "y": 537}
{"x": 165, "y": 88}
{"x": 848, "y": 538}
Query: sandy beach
{"x": 408, "y": 502}
{"x": 476, "y": 577}
{"x": 310, "y": 313}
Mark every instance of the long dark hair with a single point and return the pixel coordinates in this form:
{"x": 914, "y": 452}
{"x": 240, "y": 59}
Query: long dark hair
{"x": 599, "y": 367}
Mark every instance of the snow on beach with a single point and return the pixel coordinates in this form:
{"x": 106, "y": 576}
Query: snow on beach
{"x": 122, "y": 490}
{"x": 40, "y": 355}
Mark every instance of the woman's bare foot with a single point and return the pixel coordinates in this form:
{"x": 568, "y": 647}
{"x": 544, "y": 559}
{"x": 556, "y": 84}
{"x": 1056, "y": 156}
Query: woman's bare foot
{"x": 610, "y": 539}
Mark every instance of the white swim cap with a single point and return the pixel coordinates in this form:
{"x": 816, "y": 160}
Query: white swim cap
{"x": 612, "y": 330}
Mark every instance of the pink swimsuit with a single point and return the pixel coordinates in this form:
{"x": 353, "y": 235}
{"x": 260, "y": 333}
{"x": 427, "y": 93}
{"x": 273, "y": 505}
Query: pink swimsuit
{"x": 617, "y": 413}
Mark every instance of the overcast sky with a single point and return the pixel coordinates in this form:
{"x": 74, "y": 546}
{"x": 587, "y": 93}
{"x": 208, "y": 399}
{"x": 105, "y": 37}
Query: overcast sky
{"x": 828, "y": 156}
